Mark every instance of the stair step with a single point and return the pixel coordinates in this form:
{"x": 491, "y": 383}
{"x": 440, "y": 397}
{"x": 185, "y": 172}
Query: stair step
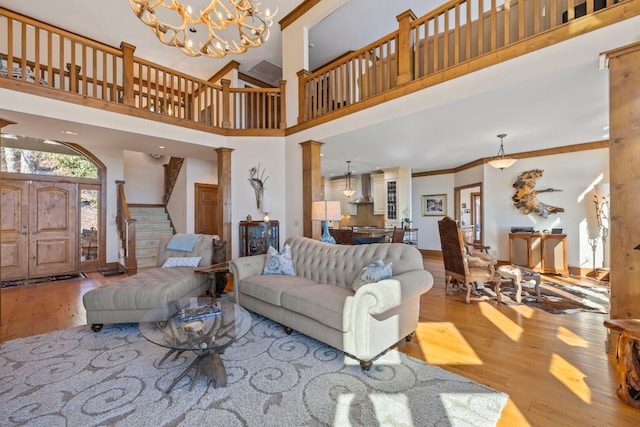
{"x": 145, "y": 225}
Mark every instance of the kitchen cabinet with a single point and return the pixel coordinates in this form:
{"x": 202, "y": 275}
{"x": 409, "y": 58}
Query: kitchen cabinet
{"x": 379, "y": 194}
{"x": 398, "y": 196}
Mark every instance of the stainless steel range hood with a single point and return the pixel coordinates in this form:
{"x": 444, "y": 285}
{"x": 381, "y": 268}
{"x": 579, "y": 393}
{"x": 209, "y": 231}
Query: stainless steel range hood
{"x": 365, "y": 185}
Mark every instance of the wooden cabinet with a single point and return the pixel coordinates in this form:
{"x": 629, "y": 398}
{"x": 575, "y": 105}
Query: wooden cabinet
{"x": 257, "y": 236}
{"x": 540, "y": 252}
{"x": 379, "y": 194}
{"x": 398, "y": 197}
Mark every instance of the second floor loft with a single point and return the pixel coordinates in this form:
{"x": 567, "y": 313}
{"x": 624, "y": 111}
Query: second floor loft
{"x": 457, "y": 38}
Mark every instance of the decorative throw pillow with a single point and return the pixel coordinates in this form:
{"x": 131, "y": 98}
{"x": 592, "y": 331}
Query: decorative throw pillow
{"x": 182, "y": 261}
{"x": 279, "y": 263}
{"x": 373, "y": 272}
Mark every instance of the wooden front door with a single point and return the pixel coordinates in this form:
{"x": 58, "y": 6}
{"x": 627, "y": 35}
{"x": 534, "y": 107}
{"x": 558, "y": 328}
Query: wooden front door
{"x": 14, "y": 232}
{"x": 39, "y": 228}
{"x": 206, "y": 209}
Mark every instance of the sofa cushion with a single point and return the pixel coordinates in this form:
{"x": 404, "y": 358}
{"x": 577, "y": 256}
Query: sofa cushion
{"x": 279, "y": 263}
{"x": 371, "y": 273}
{"x": 144, "y": 290}
{"x": 323, "y": 303}
{"x": 269, "y": 288}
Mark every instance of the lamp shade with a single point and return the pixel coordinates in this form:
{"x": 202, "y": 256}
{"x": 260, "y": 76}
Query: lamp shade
{"x": 502, "y": 163}
{"x": 325, "y": 210}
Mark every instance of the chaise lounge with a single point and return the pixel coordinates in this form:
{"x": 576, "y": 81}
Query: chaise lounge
{"x": 126, "y": 300}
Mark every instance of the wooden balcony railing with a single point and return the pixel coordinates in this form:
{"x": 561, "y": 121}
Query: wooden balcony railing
{"x": 457, "y": 32}
{"x": 56, "y": 60}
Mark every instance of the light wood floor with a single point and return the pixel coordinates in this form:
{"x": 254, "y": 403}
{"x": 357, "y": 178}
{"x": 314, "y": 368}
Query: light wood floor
{"x": 554, "y": 367}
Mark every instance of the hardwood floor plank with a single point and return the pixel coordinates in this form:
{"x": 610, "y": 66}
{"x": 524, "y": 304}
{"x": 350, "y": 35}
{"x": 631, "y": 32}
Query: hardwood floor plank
{"x": 554, "y": 367}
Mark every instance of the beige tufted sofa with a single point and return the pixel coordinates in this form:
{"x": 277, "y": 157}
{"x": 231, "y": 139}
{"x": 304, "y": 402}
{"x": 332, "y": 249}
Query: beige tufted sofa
{"x": 127, "y": 299}
{"x": 319, "y": 302}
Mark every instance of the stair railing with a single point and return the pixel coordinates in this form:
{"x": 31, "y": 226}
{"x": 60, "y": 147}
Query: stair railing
{"x": 126, "y": 231}
{"x": 171, "y": 172}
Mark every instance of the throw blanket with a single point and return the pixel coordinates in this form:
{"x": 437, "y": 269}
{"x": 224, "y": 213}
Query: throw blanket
{"x": 182, "y": 242}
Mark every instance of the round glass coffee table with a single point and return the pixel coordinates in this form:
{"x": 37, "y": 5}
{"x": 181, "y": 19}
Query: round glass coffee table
{"x": 207, "y": 337}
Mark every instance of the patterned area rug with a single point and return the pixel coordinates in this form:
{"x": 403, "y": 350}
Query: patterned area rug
{"x": 76, "y": 377}
{"x": 46, "y": 279}
{"x": 557, "y": 298}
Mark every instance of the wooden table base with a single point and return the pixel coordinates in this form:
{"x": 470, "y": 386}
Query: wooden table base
{"x": 208, "y": 362}
{"x": 628, "y": 359}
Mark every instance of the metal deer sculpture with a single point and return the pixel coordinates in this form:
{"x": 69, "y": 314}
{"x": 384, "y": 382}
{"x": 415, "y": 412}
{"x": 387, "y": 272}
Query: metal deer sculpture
{"x": 525, "y": 196}
{"x": 257, "y": 181}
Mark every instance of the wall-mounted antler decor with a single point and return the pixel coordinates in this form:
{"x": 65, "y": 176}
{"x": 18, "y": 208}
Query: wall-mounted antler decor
{"x": 257, "y": 180}
{"x": 525, "y": 196}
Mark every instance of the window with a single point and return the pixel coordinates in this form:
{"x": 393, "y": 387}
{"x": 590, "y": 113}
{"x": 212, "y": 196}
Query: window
{"x": 27, "y": 155}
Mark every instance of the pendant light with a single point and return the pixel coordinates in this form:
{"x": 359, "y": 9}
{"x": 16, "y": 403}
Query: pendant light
{"x": 348, "y": 191}
{"x": 501, "y": 161}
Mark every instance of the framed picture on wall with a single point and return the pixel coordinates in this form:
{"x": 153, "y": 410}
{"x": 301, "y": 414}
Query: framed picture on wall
{"x": 434, "y": 205}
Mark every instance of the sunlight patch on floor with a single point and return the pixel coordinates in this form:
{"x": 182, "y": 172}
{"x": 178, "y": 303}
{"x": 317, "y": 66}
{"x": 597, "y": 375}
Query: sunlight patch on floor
{"x": 390, "y": 409}
{"x": 570, "y": 338}
{"x": 570, "y": 376}
{"x": 502, "y": 322}
{"x": 445, "y": 345}
{"x": 523, "y": 310}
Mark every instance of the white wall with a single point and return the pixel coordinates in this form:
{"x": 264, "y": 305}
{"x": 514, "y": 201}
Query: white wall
{"x": 428, "y": 236}
{"x": 269, "y": 153}
{"x": 144, "y": 178}
{"x": 574, "y": 173}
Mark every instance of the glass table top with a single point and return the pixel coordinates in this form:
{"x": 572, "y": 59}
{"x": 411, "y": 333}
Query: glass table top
{"x": 161, "y": 325}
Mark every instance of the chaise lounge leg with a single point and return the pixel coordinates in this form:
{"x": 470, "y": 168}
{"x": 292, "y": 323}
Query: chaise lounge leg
{"x": 287, "y": 330}
{"x": 366, "y": 365}
{"x": 409, "y": 337}
{"x": 96, "y": 327}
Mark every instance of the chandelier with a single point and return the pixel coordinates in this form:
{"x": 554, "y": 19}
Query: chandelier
{"x": 221, "y": 26}
{"x": 501, "y": 161}
{"x": 348, "y": 191}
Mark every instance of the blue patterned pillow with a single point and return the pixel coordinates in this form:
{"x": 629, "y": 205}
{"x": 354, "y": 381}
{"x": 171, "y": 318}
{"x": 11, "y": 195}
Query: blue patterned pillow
{"x": 279, "y": 263}
{"x": 373, "y": 272}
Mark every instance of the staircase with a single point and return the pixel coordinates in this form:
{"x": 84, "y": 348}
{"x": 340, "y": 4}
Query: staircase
{"x": 152, "y": 225}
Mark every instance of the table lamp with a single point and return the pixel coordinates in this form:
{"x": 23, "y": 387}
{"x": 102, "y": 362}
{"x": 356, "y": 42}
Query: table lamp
{"x": 325, "y": 211}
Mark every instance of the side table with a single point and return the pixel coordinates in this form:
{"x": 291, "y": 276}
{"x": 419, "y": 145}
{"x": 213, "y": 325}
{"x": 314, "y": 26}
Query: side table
{"x": 217, "y": 277}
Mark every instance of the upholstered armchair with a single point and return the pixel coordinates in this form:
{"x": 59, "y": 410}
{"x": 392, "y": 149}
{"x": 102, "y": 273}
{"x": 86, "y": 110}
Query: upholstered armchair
{"x": 462, "y": 267}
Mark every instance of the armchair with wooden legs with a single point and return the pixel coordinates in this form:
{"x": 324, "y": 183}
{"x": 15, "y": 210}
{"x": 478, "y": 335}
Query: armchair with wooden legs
{"x": 460, "y": 266}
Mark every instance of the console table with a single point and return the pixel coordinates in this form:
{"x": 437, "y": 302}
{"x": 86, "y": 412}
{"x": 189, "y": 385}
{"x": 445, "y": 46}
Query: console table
{"x": 540, "y": 252}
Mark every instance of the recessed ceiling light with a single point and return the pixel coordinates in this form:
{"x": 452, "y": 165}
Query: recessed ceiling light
{"x": 321, "y": 154}
{"x": 162, "y": 147}
{"x": 69, "y": 132}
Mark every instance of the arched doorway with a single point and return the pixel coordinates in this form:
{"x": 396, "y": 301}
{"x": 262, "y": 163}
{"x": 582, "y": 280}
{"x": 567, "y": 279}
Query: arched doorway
{"x": 53, "y": 219}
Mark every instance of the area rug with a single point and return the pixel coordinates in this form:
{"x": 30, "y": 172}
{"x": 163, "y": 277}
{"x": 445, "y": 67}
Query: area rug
{"x": 46, "y": 279}
{"x": 558, "y": 298}
{"x": 76, "y": 377}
